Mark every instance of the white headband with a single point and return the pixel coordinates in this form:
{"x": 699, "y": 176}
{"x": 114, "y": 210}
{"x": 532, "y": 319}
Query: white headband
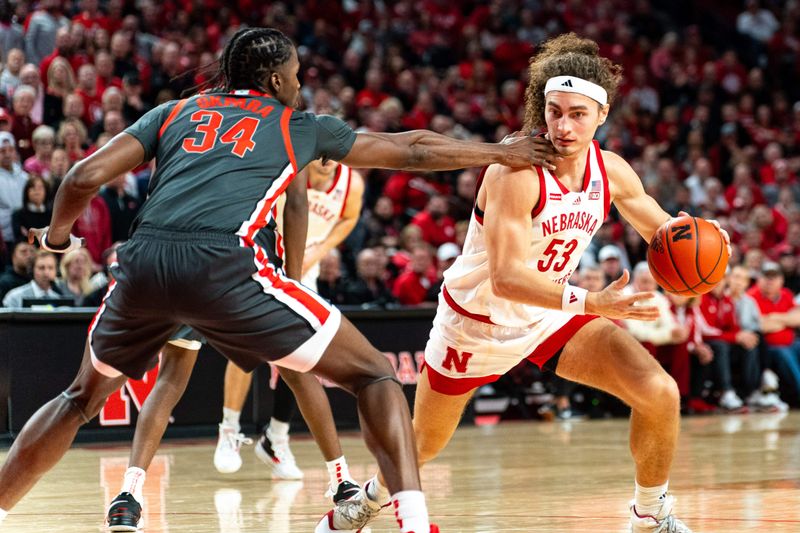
{"x": 571, "y": 84}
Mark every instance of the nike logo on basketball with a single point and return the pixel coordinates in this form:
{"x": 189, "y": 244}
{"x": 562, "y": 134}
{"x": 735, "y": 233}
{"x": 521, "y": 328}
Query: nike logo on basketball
{"x": 567, "y": 83}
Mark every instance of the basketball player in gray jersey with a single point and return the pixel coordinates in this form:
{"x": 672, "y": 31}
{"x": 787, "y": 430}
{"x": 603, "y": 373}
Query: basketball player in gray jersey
{"x": 202, "y": 254}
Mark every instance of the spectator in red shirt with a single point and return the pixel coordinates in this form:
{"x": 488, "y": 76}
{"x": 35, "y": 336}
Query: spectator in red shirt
{"x": 407, "y": 191}
{"x": 62, "y": 49}
{"x": 727, "y": 340}
{"x": 743, "y": 179}
{"x": 104, "y": 64}
{"x": 90, "y": 16}
{"x": 422, "y": 112}
{"x": 94, "y": 225}
{"x": 372, "y": 95}
{"x": 65, "y": 47}
{"x": 779, "y": 317}
{"x": 23, "y": 125}
{"x": 437, "y": 227}
{"x": 87, "y": 90}
{"x": 412, "y": 286}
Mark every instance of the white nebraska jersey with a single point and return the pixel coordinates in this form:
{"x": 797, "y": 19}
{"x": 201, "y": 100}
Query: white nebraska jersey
{"x": 325, "y": 209}
{"x": 562, "y": 226}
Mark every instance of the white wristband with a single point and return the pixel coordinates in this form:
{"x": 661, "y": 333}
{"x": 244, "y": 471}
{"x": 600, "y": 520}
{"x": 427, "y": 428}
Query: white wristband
{"x": 573, "y": 300}
{"x": 74, "y": 244}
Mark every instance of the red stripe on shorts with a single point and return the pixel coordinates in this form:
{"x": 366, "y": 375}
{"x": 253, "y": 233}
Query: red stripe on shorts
{"x": 455, "y": 386}
{"x": 461, "y": 311}
{"x": 555, "y": 342}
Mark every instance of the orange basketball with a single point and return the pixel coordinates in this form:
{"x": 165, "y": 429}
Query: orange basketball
{"x": 687, "y": 256}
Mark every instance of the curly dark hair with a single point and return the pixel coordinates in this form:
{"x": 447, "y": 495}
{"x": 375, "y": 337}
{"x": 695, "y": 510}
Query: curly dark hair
{"x": 566, "y": 55}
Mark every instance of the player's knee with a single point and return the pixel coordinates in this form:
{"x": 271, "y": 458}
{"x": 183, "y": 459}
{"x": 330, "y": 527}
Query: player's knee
{"x": 661, "y": 394}
{"x": 85, "y": 402}
{"x": 373, "y": 370}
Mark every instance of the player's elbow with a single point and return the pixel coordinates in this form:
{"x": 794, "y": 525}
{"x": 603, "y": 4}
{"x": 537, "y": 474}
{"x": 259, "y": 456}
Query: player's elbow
{"x": 86, "y": 175}
{"x": 416, "y": 155}
{"x": 503, "y": 285}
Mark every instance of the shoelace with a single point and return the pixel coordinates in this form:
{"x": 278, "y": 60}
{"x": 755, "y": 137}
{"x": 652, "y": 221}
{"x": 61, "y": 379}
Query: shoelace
{"x": 672, "y": 525}
{"x": 669, "y": 524}
{"x": 356, "y": 513}
{"x": 236, "y": 440}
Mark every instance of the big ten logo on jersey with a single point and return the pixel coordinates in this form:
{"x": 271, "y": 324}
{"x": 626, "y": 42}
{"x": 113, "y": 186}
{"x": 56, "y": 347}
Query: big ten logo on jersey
{"x": 117, "y": 410}
{"x": 112, "y": 470}
{"x": 406, "y": 365}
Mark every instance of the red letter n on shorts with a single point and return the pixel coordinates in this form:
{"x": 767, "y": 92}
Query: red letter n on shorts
{"x": 452, "y": 358}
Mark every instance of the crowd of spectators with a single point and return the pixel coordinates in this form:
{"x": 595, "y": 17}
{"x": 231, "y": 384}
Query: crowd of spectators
{"x": 709, "y": 117}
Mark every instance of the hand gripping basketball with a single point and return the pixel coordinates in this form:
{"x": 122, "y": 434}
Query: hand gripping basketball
{"x": 40, "y": 234}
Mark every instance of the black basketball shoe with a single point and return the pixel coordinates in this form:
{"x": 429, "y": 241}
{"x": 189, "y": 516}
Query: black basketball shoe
{"x": 124, "y": 513}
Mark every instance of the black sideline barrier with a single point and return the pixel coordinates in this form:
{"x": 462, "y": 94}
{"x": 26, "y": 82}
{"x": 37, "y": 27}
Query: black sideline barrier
{"x": 42, "y": 350}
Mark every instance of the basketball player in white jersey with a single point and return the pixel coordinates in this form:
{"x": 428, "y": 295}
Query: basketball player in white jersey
{"x": 335, "y": 193}
{"x": 507, "y": 297}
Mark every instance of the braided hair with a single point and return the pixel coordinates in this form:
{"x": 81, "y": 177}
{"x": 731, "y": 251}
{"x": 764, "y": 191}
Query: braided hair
{"x": 249, "y": 58}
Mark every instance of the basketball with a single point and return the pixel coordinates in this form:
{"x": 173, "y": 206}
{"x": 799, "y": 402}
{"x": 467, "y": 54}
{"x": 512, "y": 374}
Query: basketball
{"x": 687, "y": 256}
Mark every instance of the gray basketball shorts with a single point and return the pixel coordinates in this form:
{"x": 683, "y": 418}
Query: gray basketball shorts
{"x": 227, "y": 293}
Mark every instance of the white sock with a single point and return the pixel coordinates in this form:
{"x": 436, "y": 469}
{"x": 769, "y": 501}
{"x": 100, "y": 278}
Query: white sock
{"x": 3, "y": 514}
{"x": 277, "y": 428}
{"x": 133, "y": 483}
{"x": 231, "y": 418}
{"x": 649, "y": 499}
{"x": 377, "y": 492}
{"x": 338, "y": 471}
{"x": 411, "y": 511}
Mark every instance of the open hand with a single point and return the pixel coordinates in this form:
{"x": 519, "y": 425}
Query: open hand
{"x": 611, "y": 302}
{"x": 523, "y": 150}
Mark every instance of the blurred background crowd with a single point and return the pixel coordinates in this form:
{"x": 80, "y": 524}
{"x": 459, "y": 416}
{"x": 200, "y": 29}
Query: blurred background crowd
{"x": 709, "y": 117}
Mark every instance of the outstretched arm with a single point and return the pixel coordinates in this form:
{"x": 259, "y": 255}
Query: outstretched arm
{"x": 510, "y": 197}
{"x": 628, "y": 194}
{"x": 635, "y": 205}
{"x": 426, "y": 150}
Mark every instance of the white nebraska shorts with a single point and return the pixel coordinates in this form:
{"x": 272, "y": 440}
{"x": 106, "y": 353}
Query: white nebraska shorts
{"x": 466, "y": 350}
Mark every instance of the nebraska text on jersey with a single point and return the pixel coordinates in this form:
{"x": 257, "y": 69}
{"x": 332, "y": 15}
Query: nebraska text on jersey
{"x": 582, "y": 221}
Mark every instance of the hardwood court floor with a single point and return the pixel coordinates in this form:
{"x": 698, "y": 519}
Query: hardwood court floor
{"x": 732, "y": 473}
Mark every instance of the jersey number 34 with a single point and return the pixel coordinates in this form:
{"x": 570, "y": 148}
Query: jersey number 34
{"x": 240, "y": 134}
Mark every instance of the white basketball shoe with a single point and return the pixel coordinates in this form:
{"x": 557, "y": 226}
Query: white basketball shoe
{"x": 227, "y": 459}
{"x": 663, "y": 522}
{"x": 275, "y": 452}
